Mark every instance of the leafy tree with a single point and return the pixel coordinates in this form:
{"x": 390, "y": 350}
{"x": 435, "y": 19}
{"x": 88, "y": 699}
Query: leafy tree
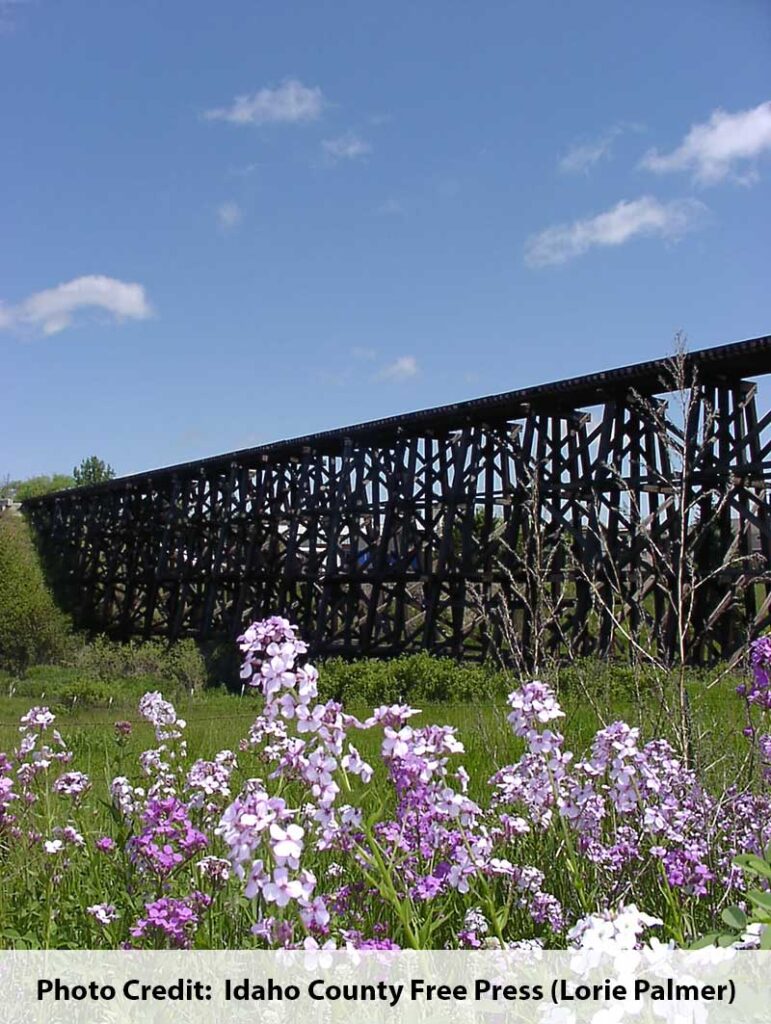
{"x": 32, "y": 629}
{"x": 37, "y": 485}
{"x": 92, "y": 471}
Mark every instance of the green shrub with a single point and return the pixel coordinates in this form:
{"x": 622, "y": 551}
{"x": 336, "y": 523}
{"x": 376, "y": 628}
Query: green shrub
{"x": 412, "y": 678}
{"x": 67, "y": 689}
{"x": 180, "y": 663}
{"x": 83, "y": 693}
{"x": 184, "y": 663}
{"x": 100, "y": 658}
{"x": 603, "y": 680}
{"x": 424, "y": 678}
{"x": 32, "y": 628}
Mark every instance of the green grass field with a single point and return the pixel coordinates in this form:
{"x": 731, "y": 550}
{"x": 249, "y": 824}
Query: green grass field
{"x": 42, "y": 905}
{"x": 218, "y": 719}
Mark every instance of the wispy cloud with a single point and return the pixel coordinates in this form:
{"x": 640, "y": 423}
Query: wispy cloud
{"x": 346, "y": 147}
{"x": 229, "y": 215}
{"x": 720, "y": 147}
{"x": 360, "y": 368}
{"x": 626, "y": 220}
{"x": 400, "y": 369}
{"x": 583, "y": 156}
{"x": 289, "y": 103}
{"x": 55, "y": 308}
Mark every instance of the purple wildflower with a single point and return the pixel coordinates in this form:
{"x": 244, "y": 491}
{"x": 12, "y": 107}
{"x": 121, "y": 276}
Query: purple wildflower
{"x": 167, "y": 838}
{"x": 171, "y": 922}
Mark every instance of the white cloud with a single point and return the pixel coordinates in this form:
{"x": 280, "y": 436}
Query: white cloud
{"x": 229, "y": 214}
{"x": 580, "y": 158}
{"x": 53, "y": 309}
{"x": 716, "y": 149}
{"x": 583, "y": 156}
{"x": 624, "y": 221}
{"x": 346, "y": 147}
{"x": 289, "y": 103}
{"x": 400, "y": 369}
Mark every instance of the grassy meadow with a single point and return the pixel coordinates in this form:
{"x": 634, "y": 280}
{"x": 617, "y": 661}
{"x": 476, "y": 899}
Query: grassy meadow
{"x": 53, "y": 898}
{"x": 593, "y": 694}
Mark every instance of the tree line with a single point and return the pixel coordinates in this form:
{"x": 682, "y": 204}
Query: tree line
{"x": 91, "y": 470}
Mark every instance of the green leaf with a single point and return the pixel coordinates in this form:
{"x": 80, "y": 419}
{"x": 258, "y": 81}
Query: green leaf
{"x": 750, "y": 862}
{"x": 760, "y": 899}
{"x": 15, "y": 940}
{"x": 765, "y": 938}
{"x": 705, "y": 940}
{"x": 735, "y": 918}
{"x": 726, "y": 940}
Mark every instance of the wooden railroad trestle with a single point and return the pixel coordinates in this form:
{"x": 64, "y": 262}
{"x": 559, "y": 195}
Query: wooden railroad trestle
{"x": 581, "y": 506}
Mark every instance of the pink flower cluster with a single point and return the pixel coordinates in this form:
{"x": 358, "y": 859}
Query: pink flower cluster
{"x": 286, "y": 828}
{"x": 757, "y": 695}
{"x": 167, "y": 837}
{"x": 170, "y": 922}
{"x": 758, "y": 692}
{"x": 28, "y": 775}
{"x": 436, "y": 840}
{"x": 628, "y": 805}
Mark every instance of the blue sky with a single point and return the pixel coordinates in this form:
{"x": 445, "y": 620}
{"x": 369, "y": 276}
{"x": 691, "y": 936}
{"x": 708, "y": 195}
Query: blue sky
{"x": 225, "y": 224}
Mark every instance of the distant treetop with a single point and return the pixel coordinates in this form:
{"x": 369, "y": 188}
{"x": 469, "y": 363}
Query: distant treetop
{"x": 21, "y": 490}
{"x": 92, "y": 471}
